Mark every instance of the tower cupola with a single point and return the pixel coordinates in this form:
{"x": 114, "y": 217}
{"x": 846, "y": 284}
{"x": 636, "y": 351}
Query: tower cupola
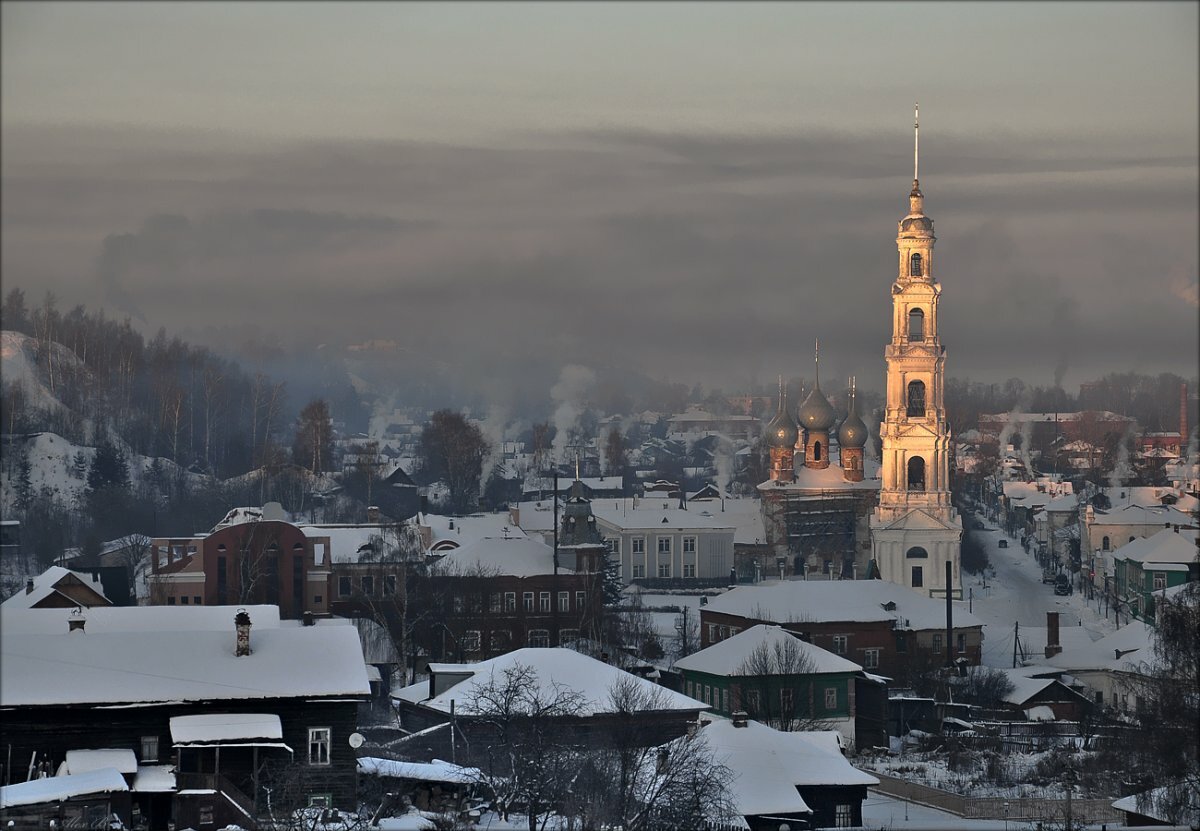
{"x": 852, "y": 438}
{"x": 816, "y": 417}
{"x": 782, "y": 435}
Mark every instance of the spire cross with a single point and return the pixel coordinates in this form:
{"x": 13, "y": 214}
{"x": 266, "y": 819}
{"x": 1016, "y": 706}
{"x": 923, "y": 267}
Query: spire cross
{"x": 916, "y": 137}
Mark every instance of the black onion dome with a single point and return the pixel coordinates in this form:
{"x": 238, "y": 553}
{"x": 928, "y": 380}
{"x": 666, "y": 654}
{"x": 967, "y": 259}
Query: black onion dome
{"x": 853, "y": 432}
{"x": 782, "y": 431}
{"x": 815, "y": 412}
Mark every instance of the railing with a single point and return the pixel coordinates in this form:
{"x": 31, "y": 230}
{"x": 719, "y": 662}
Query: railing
{"x": 215, "y": 782}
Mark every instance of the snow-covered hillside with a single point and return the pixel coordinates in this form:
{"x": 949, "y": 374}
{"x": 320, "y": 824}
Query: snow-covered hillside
{"x": 18, "y": 364}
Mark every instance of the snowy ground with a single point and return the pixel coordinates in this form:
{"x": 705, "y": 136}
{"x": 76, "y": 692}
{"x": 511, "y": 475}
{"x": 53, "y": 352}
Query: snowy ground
{"x": 1016, "y": 594}
{"x": 881, "y": 811}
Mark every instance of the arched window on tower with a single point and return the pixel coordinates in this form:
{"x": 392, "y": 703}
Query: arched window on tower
{"x": 917, "y": 553}
{"x": 916, "y": 399}
{"x": 816, "y": 451}
{"x": 914, "y": 266}
{"x": 916, "y": 474}
{"x": 916, "y": 324}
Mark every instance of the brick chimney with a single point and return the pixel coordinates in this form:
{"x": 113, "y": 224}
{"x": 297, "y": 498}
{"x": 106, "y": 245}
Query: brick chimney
{"x": 1052, "y": 645}
{"x": 241, "y": 622}
{"x": 29, "y": 586}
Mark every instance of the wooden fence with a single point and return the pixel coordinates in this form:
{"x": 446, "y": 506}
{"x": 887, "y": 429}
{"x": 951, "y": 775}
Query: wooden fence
{"x": 1021, "y": 808}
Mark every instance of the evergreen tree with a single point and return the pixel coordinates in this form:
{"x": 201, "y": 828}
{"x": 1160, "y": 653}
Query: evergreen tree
{"x": 24, "y": 486}
{"x": 109, "y": 468}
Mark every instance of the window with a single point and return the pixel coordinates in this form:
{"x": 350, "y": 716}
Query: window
{"x": 544, "y": 601}
{"x": 470, "y": 641}
{"x": 916, "y": 399}
{"x": 917, "y": 553}
{"x": 916, "y": 325}
{"x": 196, "y": 600}
{"x": 725, "y": 700}
{"x": 639, "y": 570}
{"x": 689, "y": 545}
{"x": 689, "y": 688}
{"x": 149, "y": 748}
{"x": 901, "y": 642}
{"x": 1104, "y": 544}
{"x": 689, "y": 569}
{"x": 724, "y": 631}
{"x": 613, "y": 544}
{"x": 712, "y": 633}
{"x": 664, "y": 569}
{"x": 843, "y": 815}
{"x": 318, "y": 745}
{"x": 184, "y": 599}
{"x": 510, "y": 601}
{"x": 580, "y": 601}
{"x": 320, "y": 800}
{"x": 916, "y": 474}
{"x": 564, "y": 601}
{"x": 918, "y": 577}
{"x": 914, "y": 266}
{"x": 639, "y": 545}
{"x": 171, "y": 601}
{"x": 707, "y": 694}
{"x": 343, "y": 587}
{"x": 1160, "y": 581}
{"x": 831, "y": 697}
{"x": 786, "y": 701}
{"x": 317, "y": 599}
{"x": 206, "y": 814}
{"x": 937, "y": 643}
{"x": 816, "y": 451}
{"x": 960, "y": 642}
{"x": 389, "y": 584}
{"x": 527, "y": 601}
{"x": 368, "y": 585}
{"x": 753, "y": 701}
{"x": 839, "y": 644}
{"x": 493, "y": 602}
{"x": 458, "y": 604}
{"x": 871, "y": 659}
{"x": 566, "y": 636}
{"x": 500, "y": 640}
{"x": 539, "y": 638}
{"x": 664, "y": 545}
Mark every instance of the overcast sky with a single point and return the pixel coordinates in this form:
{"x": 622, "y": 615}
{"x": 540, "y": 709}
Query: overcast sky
{"x": 697, "y": 190}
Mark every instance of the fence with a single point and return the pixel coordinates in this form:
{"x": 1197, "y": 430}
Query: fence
{"x": 1020, "y": 808}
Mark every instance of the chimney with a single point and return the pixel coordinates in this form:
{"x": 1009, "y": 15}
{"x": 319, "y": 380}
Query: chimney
{"x": 242, "y": 623}
{"x": 76, "y": 621}
{"x": 29, "y": 586}
{"x": 1052, "y": 645}
{"x": 307, "y": 619}
{"x": 1183, "y": 425}
{"x": 373, "y": 514}
{"x": 739, "y": 718}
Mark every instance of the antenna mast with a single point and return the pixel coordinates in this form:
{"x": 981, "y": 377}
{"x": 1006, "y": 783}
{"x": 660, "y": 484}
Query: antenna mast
{"x": 916, "y": 136}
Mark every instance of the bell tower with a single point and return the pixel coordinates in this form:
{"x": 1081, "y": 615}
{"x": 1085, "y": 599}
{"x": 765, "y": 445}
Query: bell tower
{"x": 915, "y": 530}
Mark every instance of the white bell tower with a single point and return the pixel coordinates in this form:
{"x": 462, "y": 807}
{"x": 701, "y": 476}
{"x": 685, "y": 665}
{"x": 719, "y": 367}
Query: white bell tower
{"x": 915, "y": 530}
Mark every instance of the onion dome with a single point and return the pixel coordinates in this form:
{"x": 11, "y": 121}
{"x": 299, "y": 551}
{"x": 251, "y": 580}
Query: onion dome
{"x": 853, "y": 432}
{"x": 816, "y": 412}
{"x": 782, "y": 431}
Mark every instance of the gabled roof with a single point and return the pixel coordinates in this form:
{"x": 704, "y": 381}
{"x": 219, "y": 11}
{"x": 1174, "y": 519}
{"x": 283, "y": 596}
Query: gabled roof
{"x": 51, "y": 582}
{"x": 728, "y": 656}
{"x": 551, "y": 670}
{"x": 769, "y": 765}
{"x": 1167, "y": 546}
{"x": 828, "y": 601}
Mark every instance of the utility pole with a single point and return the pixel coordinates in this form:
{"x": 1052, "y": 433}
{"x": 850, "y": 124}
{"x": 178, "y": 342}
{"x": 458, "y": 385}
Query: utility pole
{"x": 1016, "y": 630}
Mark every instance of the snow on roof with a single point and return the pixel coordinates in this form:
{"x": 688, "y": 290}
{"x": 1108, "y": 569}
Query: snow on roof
{"x": 348, "y": 543}
{"x": 817, "y": 601}
{"x": 827, "y": 479}
{"x": 1166, "y": 546}
{"x": 727, "y": 657}
{"x": 1152, "y": 805}
{"x": 156, "y": 665}
{"x": 1066, "y": 503}
{"x": 1143, "y": 515}
{"x": 83, "y": 761}
{"x": 555, "y": 669}
{"x": 215, "y": 728}
{"x": 658, "y": 513}
{"x": 769, "y": 765}
{"x": 58, "y": 788}
{"x": 44, "y": 586}
{"x": 516, "y": 556}
{"x": 154, "y": 779}
{"x": 746, "y": 516}
{"x": 435, "y": 771}
{"x": 104, "y": 619}
{"x": 454, "y": 531}
{"x": 1024, "y": 686}
{"x": 1125, "y": 650}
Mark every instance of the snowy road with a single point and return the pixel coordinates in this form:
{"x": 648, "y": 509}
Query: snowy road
{"x": 1016, "y": 594}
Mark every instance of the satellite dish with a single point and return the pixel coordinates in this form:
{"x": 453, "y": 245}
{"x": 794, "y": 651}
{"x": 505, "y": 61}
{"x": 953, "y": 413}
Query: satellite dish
{"x": 356, "y": 740}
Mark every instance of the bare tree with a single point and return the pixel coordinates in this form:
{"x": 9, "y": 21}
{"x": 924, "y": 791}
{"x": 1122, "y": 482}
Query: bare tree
{"x": 777, "y": 685}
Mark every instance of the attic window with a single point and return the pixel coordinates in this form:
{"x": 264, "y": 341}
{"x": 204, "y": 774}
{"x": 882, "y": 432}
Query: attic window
{"x": 890, "y": 606}
{"x": 664, "y": 520}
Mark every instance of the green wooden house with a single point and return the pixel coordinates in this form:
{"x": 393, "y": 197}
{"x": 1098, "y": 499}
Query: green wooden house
{"x": 1149, "y": 565}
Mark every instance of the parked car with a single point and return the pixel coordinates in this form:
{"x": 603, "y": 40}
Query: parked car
{"x": 1049, "y": 575}
{"x": 1004, "y": 543}
{"x": 1062, "y": 585}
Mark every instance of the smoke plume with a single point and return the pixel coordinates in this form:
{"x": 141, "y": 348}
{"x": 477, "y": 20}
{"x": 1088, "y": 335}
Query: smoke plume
{"x": 570, "y": 395}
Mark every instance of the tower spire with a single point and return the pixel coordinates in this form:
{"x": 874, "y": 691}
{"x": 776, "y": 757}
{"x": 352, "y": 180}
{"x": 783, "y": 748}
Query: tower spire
{"x": 916, "y": 138}
{"x": 817, "y": 364}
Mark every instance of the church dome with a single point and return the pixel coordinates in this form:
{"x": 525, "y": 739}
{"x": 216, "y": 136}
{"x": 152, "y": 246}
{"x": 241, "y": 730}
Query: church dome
{"x": 782, "y": 431}
{"x": 853, "y": 432}
{"x": 815, "y": 412}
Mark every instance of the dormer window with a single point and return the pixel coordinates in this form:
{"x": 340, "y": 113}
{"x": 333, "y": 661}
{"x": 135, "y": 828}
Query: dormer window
{"x": 914, "y": 266}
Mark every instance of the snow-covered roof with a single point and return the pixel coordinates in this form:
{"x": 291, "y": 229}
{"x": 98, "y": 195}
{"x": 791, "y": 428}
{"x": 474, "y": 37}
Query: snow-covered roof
{"x": 453, "y": 531}
{"x": 138, "y": 665}
{"x": 516, "y": 556}
{"x": 1125, "y": 650}
{"x": 1063, "y": 504}
{"x": 769, "y": 765}
{"x": 827, "y": 479}
{"x": 746, "y": 516}
{"x": 552, "y": 670}
{"x": 1166, "y": 546}
{"x": 84, "y": 761}
{"x": 348, "y": 543}
{"x": 154, "y": 779}
{"x": 659, "y": 513}
{"x": 220, "y": 728}
{"x": 58, "y": 788}
{"x": 1025, "y": 687}
{"x": 45, "y": 584}
{"x": 1142, "y": 515}
{"x": 727, "y": 657}
{"x": 103, "y": 619}
{"x": 820, "y": 601}
{"x": 435, "y": 771}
